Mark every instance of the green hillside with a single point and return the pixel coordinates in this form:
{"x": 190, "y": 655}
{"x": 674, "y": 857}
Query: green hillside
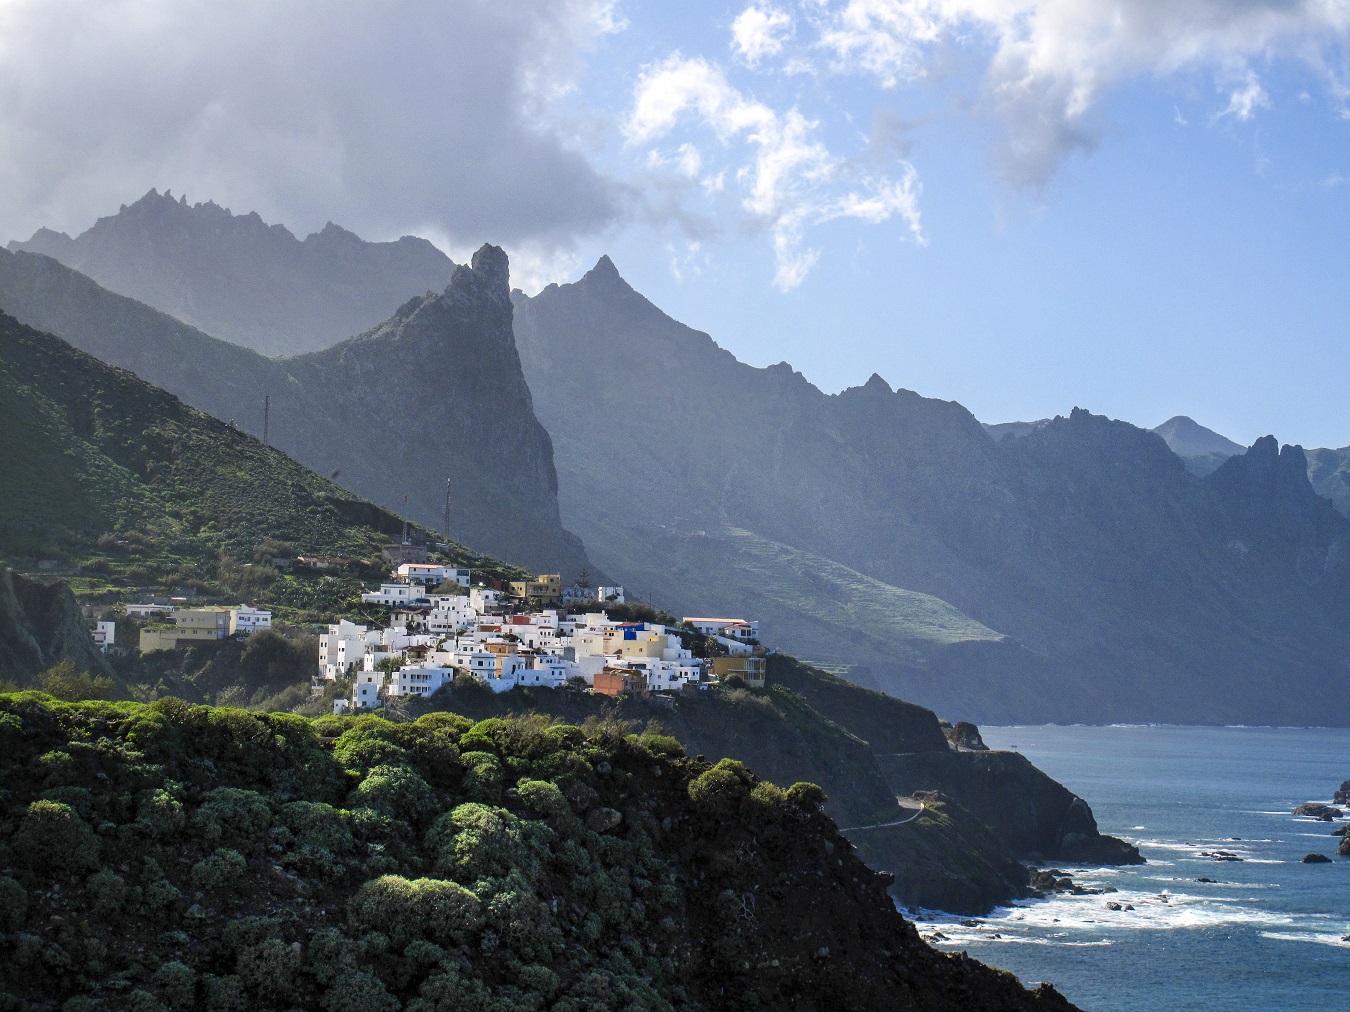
{"x": 178, "y": 857}
{"x": 110, "y": 474}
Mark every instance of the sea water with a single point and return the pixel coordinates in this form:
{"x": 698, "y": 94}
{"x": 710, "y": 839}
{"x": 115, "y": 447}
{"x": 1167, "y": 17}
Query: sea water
{"x": 1267, "y": 933}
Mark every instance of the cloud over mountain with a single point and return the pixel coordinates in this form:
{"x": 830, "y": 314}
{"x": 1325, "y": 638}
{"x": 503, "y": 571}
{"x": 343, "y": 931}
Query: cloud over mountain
{"x": 419, "y": 115}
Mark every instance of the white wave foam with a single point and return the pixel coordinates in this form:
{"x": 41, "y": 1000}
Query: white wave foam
{"x": 1307, "y": 936}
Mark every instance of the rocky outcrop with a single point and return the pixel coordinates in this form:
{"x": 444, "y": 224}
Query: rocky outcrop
{"x": 1035, "y": 818}
{"x": 433, "y": 394}
{"x": 243, "y": 280}
{"x": 1317, "y": 810}
{"x": 40, "y": 626}
{"x": 1342, "y": 794}
{"x": 964, "y": 734}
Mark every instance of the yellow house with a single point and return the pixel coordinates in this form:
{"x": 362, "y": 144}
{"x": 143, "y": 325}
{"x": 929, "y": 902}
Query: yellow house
{"x": 751, "y": 669}
{"x": 192, "y": 624}
{"x": 547, "y": 588}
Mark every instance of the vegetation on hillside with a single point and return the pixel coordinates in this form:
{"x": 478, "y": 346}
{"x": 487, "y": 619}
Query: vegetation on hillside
{"x": 170, "y": 856}
{"x": 125, "y": 484}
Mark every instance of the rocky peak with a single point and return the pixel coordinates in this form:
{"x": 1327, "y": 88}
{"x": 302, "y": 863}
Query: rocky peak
{"x": 493, "y": 263}
{"x": 1268, "y": 470}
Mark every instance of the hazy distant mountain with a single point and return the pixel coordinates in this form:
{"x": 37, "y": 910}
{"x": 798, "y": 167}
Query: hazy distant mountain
{"x": 435, "y": 392}
{"x": 1076, "y": 573}
{"x": 240, "y": 279}
{"x": 1202, "y": 450}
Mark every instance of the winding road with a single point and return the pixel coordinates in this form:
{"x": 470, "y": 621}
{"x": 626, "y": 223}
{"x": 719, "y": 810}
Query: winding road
{"x": 912, "y": 806}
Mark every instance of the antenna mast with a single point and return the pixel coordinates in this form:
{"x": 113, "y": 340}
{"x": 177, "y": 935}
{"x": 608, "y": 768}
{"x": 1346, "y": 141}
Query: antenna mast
{"x": 267, "y": 417}
{"x": 447, "y": 514}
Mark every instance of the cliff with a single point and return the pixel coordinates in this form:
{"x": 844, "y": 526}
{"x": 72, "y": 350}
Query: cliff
{"x": 243, "y": 280}
{"x": 41, "y": 626}
{"x": 435, "y": 393}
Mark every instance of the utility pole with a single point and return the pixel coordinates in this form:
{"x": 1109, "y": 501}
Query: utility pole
{"x": 447, "y": 515}
{"x": 267, "y": 417}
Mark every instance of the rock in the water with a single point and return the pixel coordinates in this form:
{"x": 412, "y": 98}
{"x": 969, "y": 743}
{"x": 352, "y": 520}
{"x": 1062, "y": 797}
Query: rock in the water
{"x": 1317, "y": 859}
{"x": 1317, "y": 810}
{"x": 1344, "y": 849}
{"x": 1342, "y": 796}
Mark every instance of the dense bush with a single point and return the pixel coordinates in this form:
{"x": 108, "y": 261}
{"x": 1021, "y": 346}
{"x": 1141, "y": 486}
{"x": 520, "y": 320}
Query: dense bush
{"x": 173, "y": 856}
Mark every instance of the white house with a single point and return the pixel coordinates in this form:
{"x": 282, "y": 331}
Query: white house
{"x": 396, "y": 594}
{"x": 146, "y": 610}
{"x": 484, "y": 599}
{"x": 366, "y": 694}
{"x": 609, "y": 594}
{"x": 246, "y": 621}
{"x": 727, "y": 628}
{"x": 105, "y": 635}
{"x": 418, "y": 680}
{"x": 341, "y": 648}
{"x": 425, "y": 573}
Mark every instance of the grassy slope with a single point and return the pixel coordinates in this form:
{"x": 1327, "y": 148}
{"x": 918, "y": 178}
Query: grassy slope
{"x": 169, "y": 856}
{"x": 96, "y": 451}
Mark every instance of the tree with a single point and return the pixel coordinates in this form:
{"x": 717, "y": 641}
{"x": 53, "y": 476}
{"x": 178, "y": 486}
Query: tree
{"x": 583, "y": 579}
{"x": 65, "y": 681}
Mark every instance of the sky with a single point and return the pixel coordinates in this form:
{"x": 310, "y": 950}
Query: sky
{"x": 1134, "y": 206}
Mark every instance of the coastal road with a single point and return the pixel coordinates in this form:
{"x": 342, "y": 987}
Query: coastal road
{"x": 912, "y": 809}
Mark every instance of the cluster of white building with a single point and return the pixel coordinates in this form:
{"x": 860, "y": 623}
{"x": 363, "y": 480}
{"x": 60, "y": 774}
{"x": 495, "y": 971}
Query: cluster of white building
{"x": 435, "y": 636}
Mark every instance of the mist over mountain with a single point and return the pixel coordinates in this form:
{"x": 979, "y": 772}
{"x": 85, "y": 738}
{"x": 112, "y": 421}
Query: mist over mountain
{"x": 434, "y": 393}
{"x": 240, "y": 279}
{"x": 1076, "y": 573}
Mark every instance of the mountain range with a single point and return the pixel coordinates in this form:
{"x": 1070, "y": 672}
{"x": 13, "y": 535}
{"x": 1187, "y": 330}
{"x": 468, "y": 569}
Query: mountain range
{"x": 434, "y": 394}
{"x": 1078, "y": 571}
{"x": 240, "y": 279}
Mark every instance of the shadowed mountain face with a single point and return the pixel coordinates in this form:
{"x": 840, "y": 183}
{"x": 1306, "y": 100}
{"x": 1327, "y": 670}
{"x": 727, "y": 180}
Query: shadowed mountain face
{"x": 243, "y": 280}
{"x": 1076, "y": 573}
{"x": 434, "y": 393}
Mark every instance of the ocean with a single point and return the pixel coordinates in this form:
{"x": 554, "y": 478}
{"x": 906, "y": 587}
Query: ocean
{"x": 1266, "y": 934}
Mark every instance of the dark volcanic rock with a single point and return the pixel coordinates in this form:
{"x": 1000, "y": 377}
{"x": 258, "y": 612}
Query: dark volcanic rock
{"x": 1317, "y": 859}
{"x": 1317, "y": 810}
{"x": 1343, "y": 849}
{"x": 964, "y": 734}
{"x": 1342, "y": 795}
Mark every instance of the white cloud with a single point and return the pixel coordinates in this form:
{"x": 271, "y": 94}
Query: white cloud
{"x": 1047, "y": 62}
{"x": 1243, "y": 101}
{"x": 759, "y": 32}
{"x": 384, "y": 117}
{"x": 789, "y": 180}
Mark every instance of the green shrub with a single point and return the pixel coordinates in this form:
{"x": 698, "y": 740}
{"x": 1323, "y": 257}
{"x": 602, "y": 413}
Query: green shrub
{"x": 482, "y": 775}
{"x": 222, "y": 869}
{"x": 322, "y": 836}
{"x": 160, "y": 814}
{"x": 358, "y": 991}
{"x": 107, "y": 892}
{"x": 176, "y": 985}
{"x": 439, "y": 911}
{"x": 13, "y": 904}
{"x": 479, "y": 841}
{"x": 544, "y": 798}
{"x": 395, "y": 791}
{"x": 240, "y": 813}
{"x": 53, "y": 836}
{"x": 807, "y": 796}
{"x": 452, "y": 990}
{"x": 720, "y": 791}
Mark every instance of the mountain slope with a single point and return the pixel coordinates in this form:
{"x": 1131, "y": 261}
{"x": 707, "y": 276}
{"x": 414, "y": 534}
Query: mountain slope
{"x": 100, "y": 462}
{"x": 1202, "y": 450}
{"x": 265, "y": 861}
{"x": 254, "y": 284}
{"x": 1116, "y": 585}
{"x": 435, "y": 393}
{"x": 1329, "y": 472}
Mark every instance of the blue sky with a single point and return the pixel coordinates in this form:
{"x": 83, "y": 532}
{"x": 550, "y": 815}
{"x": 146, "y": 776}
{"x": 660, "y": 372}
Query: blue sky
{"x": 1132, "y": 206}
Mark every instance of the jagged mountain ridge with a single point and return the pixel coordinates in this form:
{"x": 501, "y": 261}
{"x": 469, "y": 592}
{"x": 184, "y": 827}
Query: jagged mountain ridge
{"x": 1114, "y": 575}
{"x": 434, "y": 393}
{"x": 240, "y": 279}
